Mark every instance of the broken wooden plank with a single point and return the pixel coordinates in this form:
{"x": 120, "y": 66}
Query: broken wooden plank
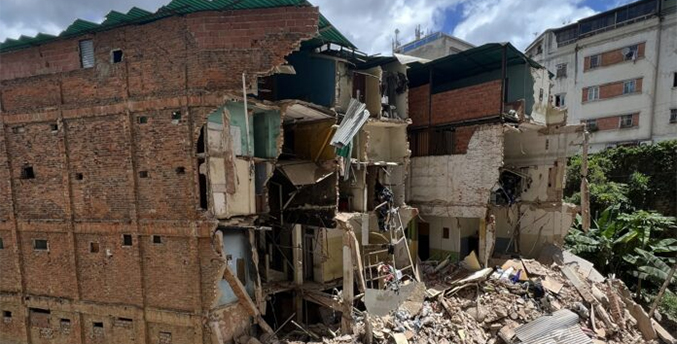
{"x": 244, "y": 299}
{"x": 581, "y": 286}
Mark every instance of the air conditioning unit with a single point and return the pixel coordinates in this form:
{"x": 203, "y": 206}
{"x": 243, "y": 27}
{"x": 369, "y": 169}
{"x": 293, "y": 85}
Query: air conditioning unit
{"x": 646, "y": 143}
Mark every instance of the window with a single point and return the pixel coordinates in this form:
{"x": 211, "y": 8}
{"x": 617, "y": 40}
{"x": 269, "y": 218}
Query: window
{"x": 116, "y": 56}
{"x": 97, "y": 324}
{"x": 591, "y": 125}
{"x": 94, "y": 247}
{"x": 27, "y": 172}
{"x": 180, "y": 170}
{"x": 593, "y": 93}
{"x": 142, "y": 119}
{"x": 560, "y": 100}
{"x": 629, "y": 86}
{"x": 673, "y": 115}
{"x": 157, "y": 239}
{"x": 126, "y": 240}
{"x": 176, "y": 115}
{"x": 54, "y": 127}
{"x": 539, "y": 49}
{"x": 143, "y": 174}
{"x": 445, "y": 233}
{"x": 629, "y": 53}
{"x": 674, "y": 79}
{"x": 595, "y": 61}
{"x": 165, "y": 337}
{"x": 7, "y": 314}
{"x": 87, "y": 53}
{"x": 40, "y": 245}
{"x": 2, "y": 244}
{"x": 79, "y": 176}
{"x": 562, "y": 70}
{"x": 626, "y": 121}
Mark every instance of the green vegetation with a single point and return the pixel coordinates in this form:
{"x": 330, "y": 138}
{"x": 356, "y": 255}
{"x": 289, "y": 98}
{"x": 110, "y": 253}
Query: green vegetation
{"x": 630, "y": 190}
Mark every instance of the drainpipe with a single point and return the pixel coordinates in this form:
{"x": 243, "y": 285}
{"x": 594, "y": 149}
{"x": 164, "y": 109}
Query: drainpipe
{"x": 655, "y": 79}
{"x": 430, "y": 108}
{"x": 504, "y": 67}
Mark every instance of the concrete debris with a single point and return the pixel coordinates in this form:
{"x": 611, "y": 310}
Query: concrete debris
{"x": 555, "y": 304}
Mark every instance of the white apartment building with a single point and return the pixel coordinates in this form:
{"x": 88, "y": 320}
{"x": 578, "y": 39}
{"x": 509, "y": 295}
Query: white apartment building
{"x": 617, "y": 72}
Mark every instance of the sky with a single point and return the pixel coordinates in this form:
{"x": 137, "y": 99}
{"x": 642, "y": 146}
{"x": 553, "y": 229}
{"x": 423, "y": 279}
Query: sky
{"x": 369, "y": 24}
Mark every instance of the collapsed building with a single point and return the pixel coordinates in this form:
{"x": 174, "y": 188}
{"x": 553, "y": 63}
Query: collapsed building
{"x": 219, "y": 170}
{"x": 179, "y": 176}
{"x": 488, "y": 155}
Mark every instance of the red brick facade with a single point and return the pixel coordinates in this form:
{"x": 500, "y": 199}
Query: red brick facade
{"x": 612, "y": 57}
{"x": 611, "y": 90}
{"x": 78, "y": 130}
{"x": 472, "y": 102}
{"x": 614, "y": 122}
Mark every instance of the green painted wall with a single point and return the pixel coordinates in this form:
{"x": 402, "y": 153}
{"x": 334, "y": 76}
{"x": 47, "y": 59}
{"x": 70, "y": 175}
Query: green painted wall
{"x": 264, "y": 129}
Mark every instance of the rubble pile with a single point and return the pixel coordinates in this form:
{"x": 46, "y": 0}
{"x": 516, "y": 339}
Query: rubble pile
{"x": 516, "y": 301}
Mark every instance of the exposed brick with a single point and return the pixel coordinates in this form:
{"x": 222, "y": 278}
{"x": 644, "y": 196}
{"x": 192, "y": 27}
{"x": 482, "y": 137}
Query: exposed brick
{"x": 612, "y": 57}
{"x": 465, "y": 103}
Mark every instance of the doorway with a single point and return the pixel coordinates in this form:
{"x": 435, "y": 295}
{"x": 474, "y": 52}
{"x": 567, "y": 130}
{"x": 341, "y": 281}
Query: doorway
{"x": 423, "y": 240}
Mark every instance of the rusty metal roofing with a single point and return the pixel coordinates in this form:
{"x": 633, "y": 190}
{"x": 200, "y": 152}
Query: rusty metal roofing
{"x": 559, "y": 328}
{"x": 327, "y": 32}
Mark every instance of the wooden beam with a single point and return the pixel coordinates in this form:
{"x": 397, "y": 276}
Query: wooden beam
{"x": 244, "y": 299}
{"x": 297, "y": 257}
{"x": 348, "y": 282}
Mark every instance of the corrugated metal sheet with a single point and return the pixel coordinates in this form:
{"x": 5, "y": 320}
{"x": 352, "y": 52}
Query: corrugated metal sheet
{"x": 559, "y": 328}
{"x": 327, "y": 32}
{"x": 356, "y": 115}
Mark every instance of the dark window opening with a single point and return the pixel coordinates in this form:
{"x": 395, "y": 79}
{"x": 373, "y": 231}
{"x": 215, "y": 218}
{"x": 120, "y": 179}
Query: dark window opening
{"x": 40, "y": 245}
{"x": 126, "y": 240}
{"x": 2, "y": 244}
{"x": 18, "y": 130}
{"x": 673, "y": 115}
{"x": 27, "y": 172}
{"x": 116, "y": 56}
{"x": 176, "y": 116}
{"x": 591, "y": 125}
{"x": 562, "y": 70}
{"x": 143, "y": 174}
{"x": 94, "y": 247}
{"x": 39, "y": 310}
{"x": 203, "y": 186}
{"x": 7, "y": 314}
{"x": 142, "y": 119}
{"x": 201, "y": 141}
{"x": 157, "y": 239}
{"x": 674, "y": 79}
{"x": 180, "y": 170}
{"x": 97, "y": 324}
{"x": 79, "y": 176}
{"x": 445, "y": 233}
{"x": 54, "y": 127}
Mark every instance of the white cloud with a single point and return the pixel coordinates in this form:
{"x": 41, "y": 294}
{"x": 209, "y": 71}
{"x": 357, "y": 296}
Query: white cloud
{"x": 515, "y": 21}
{"x": 371, "y": 24}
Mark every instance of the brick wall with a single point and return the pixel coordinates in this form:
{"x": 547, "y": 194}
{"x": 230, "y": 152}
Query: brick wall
{"x": 471, "y": 102}
{"x": 460, "y": 104}
{"x": 418, "y": 105}
{"x": 87, "y": 186}
{"x": 462, "y": 136}
{"x": 612, "y": 57}
{"x": 614, "y": 122}
{"x": 613, "y": 89}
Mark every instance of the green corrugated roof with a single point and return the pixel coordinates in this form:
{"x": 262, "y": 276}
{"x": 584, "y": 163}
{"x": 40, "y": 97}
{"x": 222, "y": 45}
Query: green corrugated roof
{"x": 327, "y": 32}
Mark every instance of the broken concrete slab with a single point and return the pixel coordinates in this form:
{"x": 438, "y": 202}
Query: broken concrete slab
{"x": 382, "y": 302}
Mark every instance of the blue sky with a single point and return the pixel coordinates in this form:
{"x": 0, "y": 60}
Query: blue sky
{"x": 370, "y": 24}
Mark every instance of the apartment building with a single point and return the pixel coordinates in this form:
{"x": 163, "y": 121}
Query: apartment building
{"x": 616, "y": 72}
{"x": 434, "y": 46}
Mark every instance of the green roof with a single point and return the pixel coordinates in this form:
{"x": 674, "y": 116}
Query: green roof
{"x": 468, "y": 63}
{"x": 327, "y": 32}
